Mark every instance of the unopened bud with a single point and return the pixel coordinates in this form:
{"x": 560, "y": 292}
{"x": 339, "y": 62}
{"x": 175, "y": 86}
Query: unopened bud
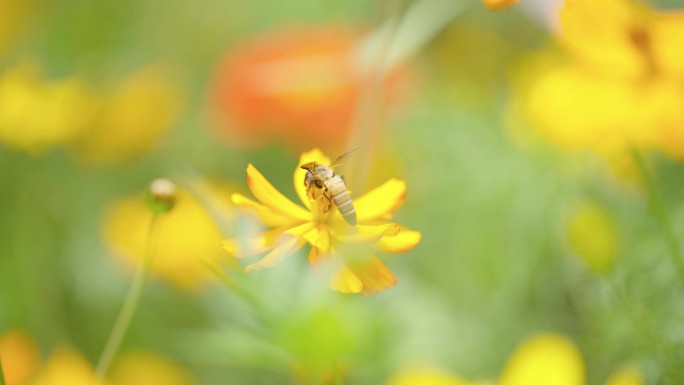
{"x": 162, "y": 195}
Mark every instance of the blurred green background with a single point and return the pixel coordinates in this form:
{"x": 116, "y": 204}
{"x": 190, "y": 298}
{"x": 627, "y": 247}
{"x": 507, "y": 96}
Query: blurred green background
{"x": 498, "y": 260}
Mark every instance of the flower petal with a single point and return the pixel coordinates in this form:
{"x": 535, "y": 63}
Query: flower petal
{"x": 366, "y": 276}
{"x": 402, "y": 242}
{"x": 346, "y": 281}
{"x": 381, "y": 201}
{"x": 268, "y": 217}
{"x": 251, "y": 246}
{"x": 369, "y": 233}
{"x": 269, "y": 196}
{"x": 314, "y": 155}
{"x": 289, "y": 246}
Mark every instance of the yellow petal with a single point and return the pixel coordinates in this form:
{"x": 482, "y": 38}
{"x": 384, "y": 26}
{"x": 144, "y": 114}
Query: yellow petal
{"x": 346, "y": 281}
{"x": 319, "y": 238}
{"x": 628, "y": 375}
{"x": 272, "y": 198}
{"x": 545, "y": 359}
{"x": 402, "y": 242}
{"x": 314, "y": 155}
{"x": 667, "y": 36}
{"x": 289, "y": 246}
{"x": 371, "y": 273}
{"x": 247, "y": 247}
{"x": 369, "y": 233}
{"x": 603, "y": 33}
{"x": 381, "y": 201}
{"x": 268, "y": 216}
{"x": 575, "y": 108}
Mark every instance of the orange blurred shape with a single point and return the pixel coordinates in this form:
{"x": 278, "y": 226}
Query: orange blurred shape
{"x": 297, "y": 85}
{"x": 497, "y": 5}
{"x": 19, "y": 355}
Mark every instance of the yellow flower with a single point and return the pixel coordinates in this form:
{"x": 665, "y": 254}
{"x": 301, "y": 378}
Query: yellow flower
{"x": 332, "y": 240}
{"x": 188, "y": 238}
{"x": 496, "y": 5}
{"x": 67, "y": 367}
{"x": 545, "y": 359}
{"x": 553, "y": 359}
{"x": 592, "y": 235}
{"x": 19, "y": 355}
{"x": 133, "y": 117}
{"x": 37, "y": 114}
{"x": 143, "y": 368}
{"x": 621, "y": 85}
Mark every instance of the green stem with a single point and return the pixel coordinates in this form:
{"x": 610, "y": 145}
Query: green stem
{"x": 2, "y": 374}
{"x": 660, "y": 214}
{"x": 130, "y": 305}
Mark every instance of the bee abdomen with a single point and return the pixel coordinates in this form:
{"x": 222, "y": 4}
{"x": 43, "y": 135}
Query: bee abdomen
{"x": 342, "y": 199}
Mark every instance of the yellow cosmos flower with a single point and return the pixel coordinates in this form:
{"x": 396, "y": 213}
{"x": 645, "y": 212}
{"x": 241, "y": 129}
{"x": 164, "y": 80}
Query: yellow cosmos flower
{"x": 553, "y": 359}
{"x": 621, "y": 85}
{"x": 144, "y": 368}
{"x": 134, "y": 115}
{"x": 37, "y": 114}
{"x": 332, "y": 240}
{"x": 19, "y": 355}
{"x": 188, "y": 238}
{"x": 67, "y": 367}
{"x": 545, "y": 359}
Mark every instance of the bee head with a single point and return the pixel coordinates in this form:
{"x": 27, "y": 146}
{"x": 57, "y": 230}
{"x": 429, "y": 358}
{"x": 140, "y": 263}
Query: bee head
{"x": 311, "y": 166}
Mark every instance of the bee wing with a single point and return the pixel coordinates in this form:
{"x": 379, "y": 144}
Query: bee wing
{"x": 343, "y": 158}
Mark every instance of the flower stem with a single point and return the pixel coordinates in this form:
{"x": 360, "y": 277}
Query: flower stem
{"x": 660, "y": 214}
{"x": 130, "y": 305}
{"x": 2, "y": 374}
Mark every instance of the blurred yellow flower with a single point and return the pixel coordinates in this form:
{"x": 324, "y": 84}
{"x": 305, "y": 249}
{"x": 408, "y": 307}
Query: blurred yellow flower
{"x": 133, "y": 117}
{"x": 67, "y": 367}
{"x": 545, "y": 359}
{"x": 143, "y": 368}
{"x": 496, "y": 5}
{"x": 36, "y": 113}
{"x": 428, "y": 376}
{"x": 592, "y": 235}
{"x": 620, "y": 86}
{"x": 19, "y": 355}
{"x": 188, "y": 239}
{"x": 331, "y": 238}
{"x": 553, "y": 359}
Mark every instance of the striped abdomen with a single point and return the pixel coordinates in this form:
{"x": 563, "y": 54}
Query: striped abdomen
{"x": 342, "y": 199}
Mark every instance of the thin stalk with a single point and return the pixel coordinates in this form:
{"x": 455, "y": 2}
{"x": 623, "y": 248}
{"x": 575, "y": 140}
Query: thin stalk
{"x": 660, "y": 214}
{"x": 130, "y": 305}
{"x": 2, "y": 374}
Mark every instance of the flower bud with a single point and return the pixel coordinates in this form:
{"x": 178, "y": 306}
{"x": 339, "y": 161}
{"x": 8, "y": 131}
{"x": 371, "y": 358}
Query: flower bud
{"x": 162, "y": 195}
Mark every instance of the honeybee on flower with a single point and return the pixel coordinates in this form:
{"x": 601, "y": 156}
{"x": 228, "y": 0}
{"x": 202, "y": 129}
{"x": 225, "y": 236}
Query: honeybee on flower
{"x": 348, "y": 248}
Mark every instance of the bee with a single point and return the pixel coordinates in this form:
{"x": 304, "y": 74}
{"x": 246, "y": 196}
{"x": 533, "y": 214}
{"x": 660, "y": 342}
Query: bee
{"x": 333, "y": 186}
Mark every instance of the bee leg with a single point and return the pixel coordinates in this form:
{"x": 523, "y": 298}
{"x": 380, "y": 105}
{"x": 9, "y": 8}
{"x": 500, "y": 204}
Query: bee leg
{"x": 328, "y": 200}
